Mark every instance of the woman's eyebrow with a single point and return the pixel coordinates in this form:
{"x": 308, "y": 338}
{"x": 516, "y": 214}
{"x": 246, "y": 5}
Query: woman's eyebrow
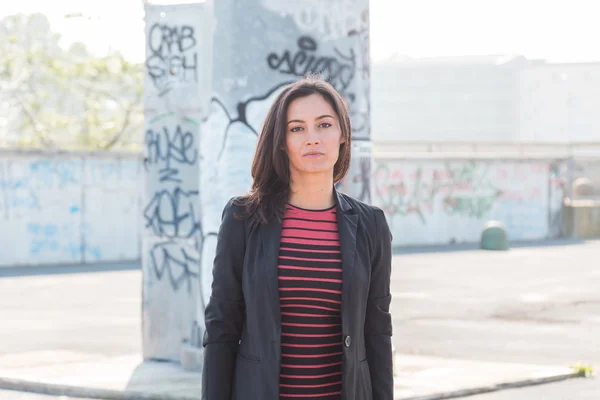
{"x": 321, "y": 117}
{"x": 325, "y": 116}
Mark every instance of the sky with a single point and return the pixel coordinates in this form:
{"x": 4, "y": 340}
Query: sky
{"x": 555, "y": 30}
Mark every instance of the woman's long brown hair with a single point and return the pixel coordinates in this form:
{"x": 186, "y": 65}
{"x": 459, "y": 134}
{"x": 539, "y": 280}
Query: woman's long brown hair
{"x": 271, "y": 165}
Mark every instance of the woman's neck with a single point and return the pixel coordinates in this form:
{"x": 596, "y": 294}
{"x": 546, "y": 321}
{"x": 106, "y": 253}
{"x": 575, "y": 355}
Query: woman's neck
{"x": 312, "y": 192}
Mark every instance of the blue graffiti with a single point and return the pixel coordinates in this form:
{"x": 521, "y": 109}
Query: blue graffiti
{"x": 64, "y": 240}
{"x": 101, "y": 172}
{"x": 55, "y": 173}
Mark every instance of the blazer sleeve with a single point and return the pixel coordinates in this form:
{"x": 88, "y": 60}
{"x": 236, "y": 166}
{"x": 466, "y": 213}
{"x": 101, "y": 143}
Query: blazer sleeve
{"x": 224, "y": 313}
{"x": 378, "y": 321}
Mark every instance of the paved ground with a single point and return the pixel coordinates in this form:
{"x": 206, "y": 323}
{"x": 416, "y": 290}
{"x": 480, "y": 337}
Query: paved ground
{"x": 12, "y": 395}
{"x": 532, "y": 305}
{"x": 96, "y": 312}
{"x": 536, "y": 305}
{"x": 588, "y": 389}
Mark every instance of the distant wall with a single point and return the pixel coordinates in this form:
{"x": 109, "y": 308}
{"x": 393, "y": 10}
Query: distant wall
{"x": 65, "y": 208}
{"x": 443, "y": 201}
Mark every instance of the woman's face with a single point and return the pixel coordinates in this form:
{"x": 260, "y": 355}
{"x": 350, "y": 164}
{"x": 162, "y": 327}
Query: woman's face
{"x": 313, "y": 136}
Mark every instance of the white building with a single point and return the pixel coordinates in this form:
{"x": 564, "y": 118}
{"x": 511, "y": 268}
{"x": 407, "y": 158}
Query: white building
{"x": 485, "y": 99}
{"x": 560, "y": 103}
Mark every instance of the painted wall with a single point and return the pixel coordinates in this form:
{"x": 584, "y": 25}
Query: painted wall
{"x": 434, "y": 202}
{"x": 65, "y": 209}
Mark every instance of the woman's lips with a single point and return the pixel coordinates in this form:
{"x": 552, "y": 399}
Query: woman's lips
{"x": 313, "y": 155}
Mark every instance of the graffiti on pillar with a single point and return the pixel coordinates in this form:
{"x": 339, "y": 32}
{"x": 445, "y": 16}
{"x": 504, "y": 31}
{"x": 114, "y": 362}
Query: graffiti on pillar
{"x": 330, "y": 20}
{"x": 226, "y": 160}
{"x": 357, "y": 182}
{"x": 249, "y": 112}
{"x": 364, "y": 179}
{"x": 172, "y": 211}
{"x": 173, "y": 57}
{"x": 171, "y": 146}
{"x": 173, "y": 262}
{"x": 179, "y": 44}
{"x": 338, "y": 70}
{"x": 360, "y": 106}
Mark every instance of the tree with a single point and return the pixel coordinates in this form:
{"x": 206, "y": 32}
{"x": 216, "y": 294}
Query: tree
{"x": 67, "y": 99}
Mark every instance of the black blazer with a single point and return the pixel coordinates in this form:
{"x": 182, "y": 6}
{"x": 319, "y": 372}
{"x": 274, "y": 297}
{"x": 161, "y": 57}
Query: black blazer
{"x": 243, "y": 323}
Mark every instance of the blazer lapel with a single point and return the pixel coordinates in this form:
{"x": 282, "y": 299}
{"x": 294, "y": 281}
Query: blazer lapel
{"x": 347, "y": 223}
{"x": 270, "y": 238}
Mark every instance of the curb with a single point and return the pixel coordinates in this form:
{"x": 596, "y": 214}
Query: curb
{"x": 107, "y": 394}
{"x": 81, "y": 391}
{"x": 496, "y": 388}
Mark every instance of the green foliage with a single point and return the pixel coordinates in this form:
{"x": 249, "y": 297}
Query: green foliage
{"x": 585, "y": 370}
{"x": 65, "y": 98}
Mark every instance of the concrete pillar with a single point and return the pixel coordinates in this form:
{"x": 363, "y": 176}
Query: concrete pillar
{"x": 177, "y": 80}
{"x": 212, "y": 72}
{"x": 260, "y": 46}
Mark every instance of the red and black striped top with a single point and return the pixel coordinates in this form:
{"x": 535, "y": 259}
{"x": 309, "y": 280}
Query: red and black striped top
{"x": 310, "y": 289}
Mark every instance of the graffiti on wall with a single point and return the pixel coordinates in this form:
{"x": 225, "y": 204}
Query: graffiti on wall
{"x": 557, "y": 191}
{"x": 449, "y": 201}
{"x": 48, "y": 208}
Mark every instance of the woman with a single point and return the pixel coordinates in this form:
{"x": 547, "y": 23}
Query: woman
{"x": 300, "y": 296}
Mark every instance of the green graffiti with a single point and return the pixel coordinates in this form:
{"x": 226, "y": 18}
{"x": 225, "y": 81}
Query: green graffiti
{"x": 472, "y": 207}
{"x": 466, "y": 190}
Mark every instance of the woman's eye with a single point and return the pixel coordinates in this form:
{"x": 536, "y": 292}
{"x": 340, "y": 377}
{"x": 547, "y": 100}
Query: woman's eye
{"x": 296, "y": 129}
{"x": 325, "y": 125}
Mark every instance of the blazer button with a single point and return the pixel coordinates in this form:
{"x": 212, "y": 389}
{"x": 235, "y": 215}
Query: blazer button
{"x": 347, "y": 341}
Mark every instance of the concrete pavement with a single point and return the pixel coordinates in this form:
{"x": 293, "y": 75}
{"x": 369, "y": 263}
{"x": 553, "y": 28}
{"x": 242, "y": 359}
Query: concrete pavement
{"x": 586, "y": 389}
{"x": 128, "y": 377}
{"x": 19, "y": 395}
{"x": 462, "y": 319}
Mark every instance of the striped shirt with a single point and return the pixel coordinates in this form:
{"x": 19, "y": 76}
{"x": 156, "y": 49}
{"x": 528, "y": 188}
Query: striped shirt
{"x": 310, "y": 288}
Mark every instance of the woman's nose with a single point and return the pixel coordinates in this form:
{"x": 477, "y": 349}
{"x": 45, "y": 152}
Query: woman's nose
{"x": 312, "y": 137}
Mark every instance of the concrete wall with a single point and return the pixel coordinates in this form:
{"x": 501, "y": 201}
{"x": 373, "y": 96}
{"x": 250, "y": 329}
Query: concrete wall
{"x": 59, "y": 209}
{"x": 436, "y": 201}
{"x": 62, "y": 209}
